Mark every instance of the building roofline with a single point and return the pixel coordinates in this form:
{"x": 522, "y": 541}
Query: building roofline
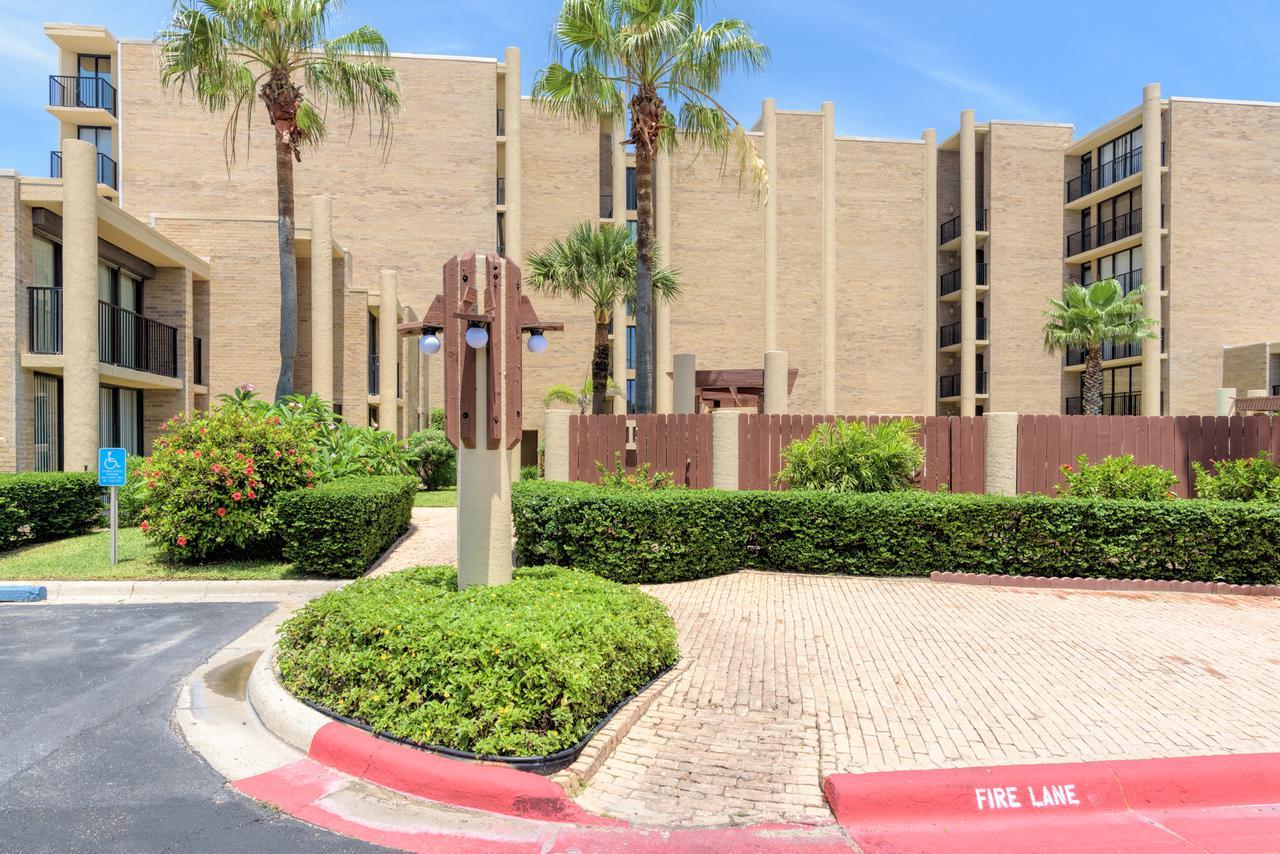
{"x": 1232, "y": 101}
{"x": 395, "y": 54}
{"x": 840, "y": 138}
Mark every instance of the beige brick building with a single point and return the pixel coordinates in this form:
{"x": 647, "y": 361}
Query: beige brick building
{"x": 899, "y": 276}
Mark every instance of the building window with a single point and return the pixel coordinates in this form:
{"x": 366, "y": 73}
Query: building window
{"x": 502, "y": 234}
{"x": 631, "y": 348}
{"x": 631, "y": 397}
{"x": 631, "y": 226}
{"x": 1120, "y": 158}
{"x": 95, "y": 66}
{"x": 48, "y": 423}
{"x": 120, "y": 418}
{"x": 373, "y": 354}
{"x": 373, "y": 416}
{"x": 631, "y": 188}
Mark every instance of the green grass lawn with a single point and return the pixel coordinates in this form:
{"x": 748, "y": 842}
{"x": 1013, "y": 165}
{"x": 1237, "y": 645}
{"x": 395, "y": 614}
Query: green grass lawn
{"x": 447, "y": 497}
{"x": 89, "y": 558}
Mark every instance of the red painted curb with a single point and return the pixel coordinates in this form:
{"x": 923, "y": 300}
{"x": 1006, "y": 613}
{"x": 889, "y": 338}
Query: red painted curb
{"x": 1139, "y": 584}
{"x": 491, "y": 788}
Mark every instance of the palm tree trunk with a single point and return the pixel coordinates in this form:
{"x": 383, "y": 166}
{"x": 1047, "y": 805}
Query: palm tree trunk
{"x": 600, "y": 364}
{"x": 288, "y": 268}
{"x": 1092, "y": 391}
{"x": 644, "y": 281}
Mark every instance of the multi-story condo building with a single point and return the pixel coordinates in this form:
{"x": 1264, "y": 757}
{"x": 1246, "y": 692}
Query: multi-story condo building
{"x": 900, "y": 276}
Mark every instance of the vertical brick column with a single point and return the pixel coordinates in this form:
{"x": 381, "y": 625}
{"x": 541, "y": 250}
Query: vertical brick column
{"x": 1151, "y": 245}
{"x": 556, "y": 444}
{"x": 619, "y": 184}
{"x": 388, "y": 352}
{"x": 322, "y": 297}
{"x": 828, "y": 258}
{"x": 724, "y": 450}
{"x": 929, "y": 401}
{"x": 775, "y": 382}
{"x": 1001, "y": 453}
{"x": 662, "y": 308}
{"x": 79, "y": 306}
{"x": 684, "y": 368}
{"x": 511, "y": 165}
{"x": 968, "y": 266}
{"x": 769, "y": 126}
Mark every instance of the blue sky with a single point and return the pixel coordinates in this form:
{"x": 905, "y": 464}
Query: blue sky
{"x": 892, "y": 68}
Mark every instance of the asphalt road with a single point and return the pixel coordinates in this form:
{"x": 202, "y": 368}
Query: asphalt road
{"x": 89, "y": 758}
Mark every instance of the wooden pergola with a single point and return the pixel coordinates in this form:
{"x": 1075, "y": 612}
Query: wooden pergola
{"x": 733, "y": 389}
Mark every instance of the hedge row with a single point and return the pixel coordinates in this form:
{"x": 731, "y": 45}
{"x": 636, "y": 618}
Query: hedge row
{"x": 677, "y": 535}
{"x": 40, "y": 506}
{"x": 339, "y": 528}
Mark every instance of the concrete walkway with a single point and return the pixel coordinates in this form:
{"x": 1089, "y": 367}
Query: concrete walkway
{"x": 432, "y": 539}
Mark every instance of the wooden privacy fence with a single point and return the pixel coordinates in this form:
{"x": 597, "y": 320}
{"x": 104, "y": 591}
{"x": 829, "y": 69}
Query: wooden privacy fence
{"x": 1048, "y": 442}
{"x": 954, "y": 448}
{"x": 678, "y": 444}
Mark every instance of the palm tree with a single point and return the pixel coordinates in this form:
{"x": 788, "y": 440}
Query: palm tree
{"x": 597, "y": 265}
{"x": 1088, "y": 316}
{"x": 654, "y": 59}
{"x": 229, "y": 53}
{"x": 579, "y": 397}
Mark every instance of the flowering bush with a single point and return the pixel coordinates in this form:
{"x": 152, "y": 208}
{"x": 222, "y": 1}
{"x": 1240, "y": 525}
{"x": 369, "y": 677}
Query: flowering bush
{"x": 1252, "y": 479}
{"x": 1117, "y": 477}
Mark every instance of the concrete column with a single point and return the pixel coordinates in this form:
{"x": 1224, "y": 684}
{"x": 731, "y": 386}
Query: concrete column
{"x": 1224, "y": 399}
{"x": 968, "y": 266}
{"x": 484, "y": 502}
{"x": 1002, "y": 453}
{"x": 775, "y": 382}
{"x": 769, "y": 126}
{"x": 412, "y": 415}
{"x": 555, "y": 445}
{"x": 619, "y": 355}
{"x": 724, "y": 450}
{"x": 322, "y": 297}
{"x": 684, "y": 366}
{"x": 828, "y": 258}
{"x": 1151, "y": 245}
{"x": 80, "y": 439}
{"x": 388, "y": 350}
{"x": 662, "y": 308}
{"x": 511, "y": 158}
{"x": 619, "y": 184}
{"x": 929, "y": 366}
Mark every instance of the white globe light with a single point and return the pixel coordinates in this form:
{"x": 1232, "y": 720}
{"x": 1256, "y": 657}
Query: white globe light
{"x": 429, "y": 343}
{"x": 477, "y": 337}
{"x": 537, "y": 343}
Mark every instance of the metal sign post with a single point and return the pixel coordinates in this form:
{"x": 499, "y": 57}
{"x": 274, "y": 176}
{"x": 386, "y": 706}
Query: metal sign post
{"x": 112, "y": 473}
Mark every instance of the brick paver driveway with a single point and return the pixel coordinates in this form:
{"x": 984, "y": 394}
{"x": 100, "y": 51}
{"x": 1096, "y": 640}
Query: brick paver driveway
{"x": 794, "y": 677}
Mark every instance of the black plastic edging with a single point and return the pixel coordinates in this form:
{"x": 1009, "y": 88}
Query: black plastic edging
{"x": 544, "y": 765}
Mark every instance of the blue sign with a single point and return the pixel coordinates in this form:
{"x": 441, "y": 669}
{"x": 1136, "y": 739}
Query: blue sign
{"x": 111, "y": 467}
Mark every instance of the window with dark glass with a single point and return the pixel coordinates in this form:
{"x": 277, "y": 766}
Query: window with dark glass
{"x": 631, "y": 348}
{"x": 631, "y": 188}
{"x": 120, "y": 418}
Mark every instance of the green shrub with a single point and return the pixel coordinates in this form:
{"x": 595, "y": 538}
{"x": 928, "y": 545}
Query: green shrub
{"x": 1253, "y": 479}
{"x": 132, "y": 497}
{"x": 1118, "y": 477}
{"x": 530, "y": 473}
{"x": 433, "y": 458}
{"x": 850, "y": 456}
{"x": 642, "y": 478}
{"x": 520, "y": 669}
{"x": 436, "y": 421}
{"x": 39, "y": 506}
{"x": 340, "y": 528}
{"x": 678, "y": 535}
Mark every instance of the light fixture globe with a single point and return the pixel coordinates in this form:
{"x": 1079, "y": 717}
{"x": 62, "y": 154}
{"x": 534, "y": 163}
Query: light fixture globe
{"x": 537, "y": 342}
{"x": 429, "y": 343}
{"x": 477, "y": 337}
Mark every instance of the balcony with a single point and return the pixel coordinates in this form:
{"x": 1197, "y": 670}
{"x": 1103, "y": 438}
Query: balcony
{"x": 1116, "y": 169}
{"x": 1275, "y": 390}
{"x": 197, "y": 359}
{"x": 1112, "y": 350}
{"x": 949, "y": 283}
{"x": 92, "y": 93}
{"x": 373, "y": 374}
{"x": 1121, "y": 403}
{"x": 502, "y": 190}
{"x": 949, "y": 385}
{"x": 606, "y": 205}
{"x": 950, "y": 230}
{"x": 949, "y": 334}
{"x": 125, "y": 338}
{"x": 502, "y": 122}
{"x": 106, "y": 169}
{"x": 1108, "y": 231}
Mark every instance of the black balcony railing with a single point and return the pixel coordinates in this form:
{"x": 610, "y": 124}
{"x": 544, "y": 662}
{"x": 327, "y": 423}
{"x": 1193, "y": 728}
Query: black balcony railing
{"x": 133, "y": 341}
{"x": 1121, "y": 403}
{"x": 949, "y": 283}
{"x": 1110, "y": 350}
{"x": 950, "y": 229}
{"x": 373, "y": 374}
{"x": 980, "y": 328}
{"x": 502, "y": 122}
{"x": 949, "y": 334}
{"x": 44, "y": 320}
{"x": 72, "y": 91}
{"x": 1108, "y": 173}
{"x": 1275, "y": 390}
{"x": 1108, "y": 231}
{"x": 949, "y": 385}
{"x": 197, "y": 359}
{"x": 106, "y": 169}
{"x": 606, "y": 205}
{"x": 982, "y": 274}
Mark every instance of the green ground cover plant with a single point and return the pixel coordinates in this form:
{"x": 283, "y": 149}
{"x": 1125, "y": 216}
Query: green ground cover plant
{"x": 678, "y": 535}
{"x": 340, "y": 528}
{"x": 522, "y": 669}
{"x": 1118, "y": 477}
{"x": 40, "y": 506}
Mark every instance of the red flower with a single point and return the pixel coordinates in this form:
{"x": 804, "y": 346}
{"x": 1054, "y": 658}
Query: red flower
{"x": 228, "y": 481}
{"x": 277, "y": 452}
{"x": 311, "y": 486}
{"x": 182, "y": 541}
{"x": 216, "y": 468}
{"x": 235, "y": 496}
{"x": 239, "y": 456}
{"x": 310, "y": 473}
{"x": 146, "y": 526}
{"x": 182, "y": 451}
{"x": 252, "y": 495}
{"x": 221, "y": 511}
{"x": 196, "y": 454}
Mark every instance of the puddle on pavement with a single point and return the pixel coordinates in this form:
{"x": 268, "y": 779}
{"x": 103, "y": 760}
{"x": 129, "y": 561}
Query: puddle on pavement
{"x": 229, "y": 680}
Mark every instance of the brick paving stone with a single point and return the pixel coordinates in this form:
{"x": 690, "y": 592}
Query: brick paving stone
{"x": 795, "y": 677}
{"x": 432, "y": 539}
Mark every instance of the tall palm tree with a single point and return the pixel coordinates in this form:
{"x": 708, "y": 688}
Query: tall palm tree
{"x": 230, "y": 53}
{"x": 655, "y": 60}
{"x": 1088, "y": 316}
{"x": 597, "y": 265}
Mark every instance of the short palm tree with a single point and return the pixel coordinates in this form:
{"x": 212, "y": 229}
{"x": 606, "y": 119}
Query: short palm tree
{"x": 230, "y": 53}
{"x": 579, "y": 397}
{"x": 597, "y": 265}
{"x": 1087, "y": 317}
{"x": 654, "y": 59}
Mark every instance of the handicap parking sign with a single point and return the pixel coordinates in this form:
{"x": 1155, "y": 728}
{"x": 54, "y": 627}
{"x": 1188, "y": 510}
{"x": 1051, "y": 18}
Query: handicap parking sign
{"x": 111, "y": 466}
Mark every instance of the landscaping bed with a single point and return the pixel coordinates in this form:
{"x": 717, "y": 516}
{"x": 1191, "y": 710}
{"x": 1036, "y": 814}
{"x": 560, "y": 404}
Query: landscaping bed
{"x": 678, "y": 535}
{"x": 524, "y": 670}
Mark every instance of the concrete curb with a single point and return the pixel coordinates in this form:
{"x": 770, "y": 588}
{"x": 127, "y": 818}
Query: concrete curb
{"x": 137, "y": 592}
{"x": 1136, "y": 585}
{"x": 283, "y": 715}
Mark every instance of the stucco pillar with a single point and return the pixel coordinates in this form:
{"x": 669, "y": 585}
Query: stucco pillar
{"x": 484, "y": 502}
{"x": 322, "y": 297}
{"x": 929, "y": 363}
{"x": 80, "y": 439}
{"x": 775, "y": 382}
{"x": 968, "y": 266}
{"x": 412, "y": 415}
{"x": 514, "y": 218}
{"x": 684, "y": 368}
{"x": 1001, "y": 453}
{"x": 1151, "y": 245}
{"x": 556, "y": 444}
{"x": 388, "y": 350}
{"x": 424, "y": 378}
{"x": 1223, "y": 399}
{"x": 618, "y": 182}
{"x": 662, "y": 308}
{"x": 724, "y": 450}
{"x": 828, "y": 258}
{"x": 769, "y": 127}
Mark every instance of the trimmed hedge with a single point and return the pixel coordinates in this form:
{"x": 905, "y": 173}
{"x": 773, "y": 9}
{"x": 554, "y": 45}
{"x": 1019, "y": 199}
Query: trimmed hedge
{"x": 339, "y": 528}
{"x": 40, "y": 506}
{"x": 679, "y": 535}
